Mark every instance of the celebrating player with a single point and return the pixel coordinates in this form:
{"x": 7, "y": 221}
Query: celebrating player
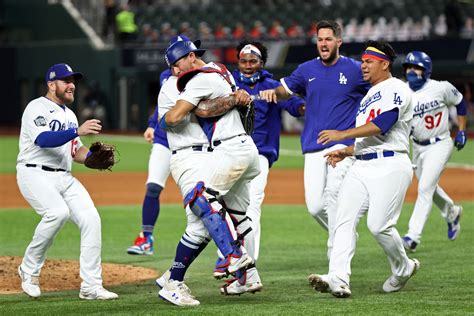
{"x": 49, "y": 142}
{"x": 377, "y": 182}
{"x": 251, "y": 77}
{"x": 190, "y": 157}
{"x": 432, "y": 144}
{"x": 333, "y": 87}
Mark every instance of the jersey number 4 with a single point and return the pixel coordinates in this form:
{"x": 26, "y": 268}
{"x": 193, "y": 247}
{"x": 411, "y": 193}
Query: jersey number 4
{"x": 373, "y": 114}
{"x": 433, "y": 121}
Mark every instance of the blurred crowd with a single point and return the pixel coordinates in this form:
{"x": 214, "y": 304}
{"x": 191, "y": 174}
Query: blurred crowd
{"x": 131, "y": 21}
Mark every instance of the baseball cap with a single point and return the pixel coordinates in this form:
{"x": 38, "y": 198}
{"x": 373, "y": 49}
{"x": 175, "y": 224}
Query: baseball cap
{"x": 61, "y": 71}
{"x": 182, "y": 37}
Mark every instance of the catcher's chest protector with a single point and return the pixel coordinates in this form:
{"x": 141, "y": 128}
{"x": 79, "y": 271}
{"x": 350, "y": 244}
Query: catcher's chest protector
{"x": 185, "y": 77}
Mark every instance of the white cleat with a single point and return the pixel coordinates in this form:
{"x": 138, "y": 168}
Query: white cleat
{"x": 29, "y": 283}
{"x": 160, "y": 282}
{"x": 394, "y": 284}
{"x": 98, "y": 294}
{"x": 177, "y": 293}
{"x": 239, "y": 263}
{"x": 253, "y": 284}
{"x": 322, "y": 283}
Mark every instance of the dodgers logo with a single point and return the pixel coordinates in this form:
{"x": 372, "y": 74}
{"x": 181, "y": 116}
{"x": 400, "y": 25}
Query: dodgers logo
{"x": 373, "y": 98}
{"x": 421, "y": 108}
{"x": 342, "y": 78}
{"x": 56, "y": 125}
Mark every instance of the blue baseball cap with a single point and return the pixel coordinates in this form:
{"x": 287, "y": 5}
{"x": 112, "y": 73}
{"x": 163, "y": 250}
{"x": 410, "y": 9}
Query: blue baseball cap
{"x": 61, "y": 71}
{"x": 182, "y": 37}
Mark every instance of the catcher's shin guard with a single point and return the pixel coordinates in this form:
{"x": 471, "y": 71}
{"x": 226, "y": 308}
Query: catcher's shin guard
{"x": 219, "y": 226}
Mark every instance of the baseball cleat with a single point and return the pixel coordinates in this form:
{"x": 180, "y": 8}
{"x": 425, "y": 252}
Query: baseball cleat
{"x": 454, "y": 227}
{"x": 394, "y": 284}
{"x": 142, "y": 246}
{"x": 409, "y": 244}
{"x": 177, "y": 293}
{"x": 239, "y": 263}
{"x": 98, "y": 294}
{"x": 29, "y": 283}
{"x": 322, "y": 283}
{"x": 319, "y": 283}
{"x": 252, "y": 284}
{"x": 165, "y": 277}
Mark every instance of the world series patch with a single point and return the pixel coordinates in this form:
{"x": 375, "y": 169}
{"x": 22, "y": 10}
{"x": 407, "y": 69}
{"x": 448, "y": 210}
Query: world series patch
{"x": 40, "y": 121}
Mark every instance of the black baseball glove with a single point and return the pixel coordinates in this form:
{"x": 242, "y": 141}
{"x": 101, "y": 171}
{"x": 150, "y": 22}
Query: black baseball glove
{"x": 102, "y": 156}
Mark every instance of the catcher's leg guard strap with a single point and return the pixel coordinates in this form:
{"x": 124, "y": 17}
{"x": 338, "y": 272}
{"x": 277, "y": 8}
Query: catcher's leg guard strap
{"x": 217, "y": 225}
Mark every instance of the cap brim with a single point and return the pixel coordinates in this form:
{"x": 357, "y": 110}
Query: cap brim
{"x": 197, "y": 43}
{"x": 75, "y": 75}
{"x": 199, "y": 52}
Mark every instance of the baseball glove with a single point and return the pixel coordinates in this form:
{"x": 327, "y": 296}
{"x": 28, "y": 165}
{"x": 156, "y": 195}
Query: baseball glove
{"x": 102, "y": 156}
{"x": 247, "y": 115}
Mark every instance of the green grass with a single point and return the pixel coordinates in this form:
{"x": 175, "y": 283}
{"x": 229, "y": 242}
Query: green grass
{"x": 134, "y": 153}
{"x": 293, "y": 246}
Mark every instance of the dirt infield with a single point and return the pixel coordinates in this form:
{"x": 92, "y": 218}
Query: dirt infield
{"x": 112, "y": 188}
{"x": 284, "y": 187}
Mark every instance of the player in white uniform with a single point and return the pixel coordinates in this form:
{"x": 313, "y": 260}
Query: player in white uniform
{"x": 432, "y": 144}
{"x": 377, "y": 182}
{"x": 234, "y": 159}
{"x": 190, "y": 156}
{"x": 49, "y": 142}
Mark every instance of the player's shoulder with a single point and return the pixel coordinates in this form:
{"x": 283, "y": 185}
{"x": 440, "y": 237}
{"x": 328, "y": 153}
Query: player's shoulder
{"x": 396, "y": 85}
{"x": 37, "y": 104}
{"x": 349, "y": 61}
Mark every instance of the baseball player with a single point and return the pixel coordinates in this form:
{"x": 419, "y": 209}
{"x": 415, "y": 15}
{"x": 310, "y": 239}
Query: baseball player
{"x": 432, "y": 144}
{"x": 191, "y": 152}
{"x": 377, "y": 182}
{"x": 251, "y": 77}
{"x": 49, "y": 143}
{"x": 158, "y": 172}
{"x": 233, "y": 161}
{"x": 332, "y": 86}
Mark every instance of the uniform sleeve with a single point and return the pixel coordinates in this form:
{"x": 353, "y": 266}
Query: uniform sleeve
{"x": 292, "y": 105}
{"x": 295, "y": 83}
{"x": 34, "y": 122}
{"x": 153, "y": 119}
{"x": 452, "y": 96}
{"x": 398, "y": 96}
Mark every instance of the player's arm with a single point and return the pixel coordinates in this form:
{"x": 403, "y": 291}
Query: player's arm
{"x": 51, "y": 139}
{"x": 81, "y": 154}
{"x": 177, "y": 114}
{"x": 379, "y": 125}
{"x": 461, "y": 138}
{"x": 219, "y": 106}
{"x": 273, "y": 95}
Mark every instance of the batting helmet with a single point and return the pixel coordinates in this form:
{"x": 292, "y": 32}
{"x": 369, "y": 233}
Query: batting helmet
{"x": 420, "y": 59}
{"x": 180, "y": 49}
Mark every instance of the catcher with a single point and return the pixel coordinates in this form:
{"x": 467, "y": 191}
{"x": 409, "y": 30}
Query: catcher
{"x": 101, "y": 156}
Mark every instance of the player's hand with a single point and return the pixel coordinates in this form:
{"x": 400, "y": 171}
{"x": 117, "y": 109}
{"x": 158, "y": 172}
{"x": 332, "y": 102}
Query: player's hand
{"x": 149, "y": 134}
{"x": 460, "y": 140}
{"x": 242, "y": 97}
{"x": 330, "y": 135}
{"x": 269, "y": 95}
{"x": 89, "y": 127}
{"x": 333, "y": 157}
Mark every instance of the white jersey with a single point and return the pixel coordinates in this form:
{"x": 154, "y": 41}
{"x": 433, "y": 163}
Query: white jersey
{"x": 431, "y": 113}
{"x": 385, "y": 96}
{"x": 187, "y": 133}
{"x": 210, "y": 86}
{"x": 42, "y": 115}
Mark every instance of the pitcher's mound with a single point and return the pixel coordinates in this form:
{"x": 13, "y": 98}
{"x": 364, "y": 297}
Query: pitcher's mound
{"x": 58, "y": 275}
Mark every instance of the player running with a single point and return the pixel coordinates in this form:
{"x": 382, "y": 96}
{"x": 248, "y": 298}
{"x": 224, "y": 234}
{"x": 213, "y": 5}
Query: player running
{"x": 432, "y": 144}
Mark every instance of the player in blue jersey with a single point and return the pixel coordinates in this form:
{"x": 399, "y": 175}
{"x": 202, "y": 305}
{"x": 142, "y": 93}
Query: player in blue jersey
{"x": 251, "y": 77}
{"x": 332, "y": 86}
{"x": 158, "y": 172}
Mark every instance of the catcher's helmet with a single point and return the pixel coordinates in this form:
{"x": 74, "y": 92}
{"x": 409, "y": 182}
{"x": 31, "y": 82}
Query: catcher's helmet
{"x": 420, "y": 59}
{"x": 179, "y": 49}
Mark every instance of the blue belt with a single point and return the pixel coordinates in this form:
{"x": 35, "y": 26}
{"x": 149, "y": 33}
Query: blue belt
{"x": 45, "y": 168}
{"x": 427, "y": 142}
{"x": 194, "y": 148}
{"x": 218, "y": 142}
{"x": 375, "y": 155}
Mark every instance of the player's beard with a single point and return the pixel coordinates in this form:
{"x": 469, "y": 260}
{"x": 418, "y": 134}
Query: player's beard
{"x": 331, "y": 58}
{"x": 64, "y": 96}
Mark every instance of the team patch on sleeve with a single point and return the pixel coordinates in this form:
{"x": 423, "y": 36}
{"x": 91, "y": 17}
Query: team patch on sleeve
{"x": 40, "y": 121}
